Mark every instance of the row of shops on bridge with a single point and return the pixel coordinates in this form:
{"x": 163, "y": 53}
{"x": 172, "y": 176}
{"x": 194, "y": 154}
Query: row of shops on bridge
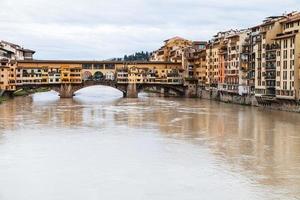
{"x": 14, "y": 74}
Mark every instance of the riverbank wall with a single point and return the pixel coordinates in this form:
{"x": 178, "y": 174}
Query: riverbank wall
{"x": 5, "y": 95}
{"x": 249, "y": 100}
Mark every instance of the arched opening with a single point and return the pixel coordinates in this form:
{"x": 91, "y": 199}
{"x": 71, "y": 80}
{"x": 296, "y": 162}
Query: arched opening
{"x": 148, "y": 90}
{"x": 98, "y": 93}
{"x": 98, "y": 76}
{"x": 87, "y": 76}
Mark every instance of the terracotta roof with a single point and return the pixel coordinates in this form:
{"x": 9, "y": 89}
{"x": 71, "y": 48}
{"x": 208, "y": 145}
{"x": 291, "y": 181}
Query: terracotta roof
{"x": 175, "y": 38}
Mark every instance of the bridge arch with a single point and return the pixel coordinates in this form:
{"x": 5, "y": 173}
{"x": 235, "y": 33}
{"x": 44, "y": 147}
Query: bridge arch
{"x": 129, "y": 89}
{"x": 87, "y": 75}
{"x": 98, "y": 75}
{"x": 122, "y": 90}
{"x": 164, "y": 89}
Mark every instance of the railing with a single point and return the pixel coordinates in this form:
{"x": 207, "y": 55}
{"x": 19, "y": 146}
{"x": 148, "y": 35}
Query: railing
{"x": 270, "y": 47}
{"x": 271, "y": 57}
{"x": 270, "y": 77}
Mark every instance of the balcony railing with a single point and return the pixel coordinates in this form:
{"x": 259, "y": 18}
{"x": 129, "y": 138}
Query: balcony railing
{"x": 270, "y": 47}
{"x": 270, "y": 66}
{"x": 271, "y": 57}
{"x": 270, "y": 77}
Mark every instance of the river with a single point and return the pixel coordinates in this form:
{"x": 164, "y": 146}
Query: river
{"x": 101, "y": 146}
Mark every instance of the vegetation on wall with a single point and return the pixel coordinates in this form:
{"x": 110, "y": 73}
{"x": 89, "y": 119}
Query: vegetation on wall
{"x": 24, "y": 92}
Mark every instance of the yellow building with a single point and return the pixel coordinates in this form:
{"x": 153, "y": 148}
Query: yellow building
{"x": 265, "y": 66}
{"x": 212, "y": 62}
{"x": 150, "y": 72}
{"x": 48, "y": 72}
{"x": 201, "y": 67}
{"x": 287, "y": 54}
{"x": 7, "y": 75}
{"x": 172, "y": 50}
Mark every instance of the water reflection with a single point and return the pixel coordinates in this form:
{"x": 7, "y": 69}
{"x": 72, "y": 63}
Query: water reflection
{"x": 261, "y": 145}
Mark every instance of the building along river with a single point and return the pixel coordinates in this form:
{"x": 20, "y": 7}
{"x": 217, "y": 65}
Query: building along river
{"x": 99, "y": 145}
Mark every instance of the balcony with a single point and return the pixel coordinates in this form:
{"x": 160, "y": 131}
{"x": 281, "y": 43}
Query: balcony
{"x": 270, "y": 92}
{"x": 272, "y": 47}
{"x": 270, "y": 77}
{"x": 270, "y": 84}
{"x": 270, "y": 66}
{"x": 271, "y": 57}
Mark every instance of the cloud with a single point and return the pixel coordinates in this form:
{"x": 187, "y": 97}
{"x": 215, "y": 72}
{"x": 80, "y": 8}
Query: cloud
{"x": 101, "y": 29}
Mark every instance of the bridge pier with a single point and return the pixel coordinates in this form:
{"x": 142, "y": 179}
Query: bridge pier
{"x": 131, "y": 91}
{"x": 165, "y": 92}
{"x": 1, "y": 92}
{"x": 191, "y": 90}
{"x": 66, "y": 91}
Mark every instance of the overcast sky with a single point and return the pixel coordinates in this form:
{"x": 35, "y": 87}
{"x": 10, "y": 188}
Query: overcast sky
{"x": 102, "y": 29}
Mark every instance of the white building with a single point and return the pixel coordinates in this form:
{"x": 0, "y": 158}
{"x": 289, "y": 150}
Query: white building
{"x": 12, "y": 51}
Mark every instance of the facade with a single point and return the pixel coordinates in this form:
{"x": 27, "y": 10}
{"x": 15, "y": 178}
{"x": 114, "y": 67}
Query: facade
{"x": 216, "y": 53}
{"x": 172, "y": 50}
{"x": 264, "y": 66}
{"x": 34, "y": 72}
{"x": 236, "y": 63}
{"x": 151, "y": 72}
{"x": 17, "y": 74}
{"x": 286, "y": 50}
{"x": 7, "y": 75}
{"x": 192, "y": 60}
{"x": 200, "y": 67}
{"x": 12, "y": 51}
{"x": 9, "y": 54}
{"x": 276, "y": 50}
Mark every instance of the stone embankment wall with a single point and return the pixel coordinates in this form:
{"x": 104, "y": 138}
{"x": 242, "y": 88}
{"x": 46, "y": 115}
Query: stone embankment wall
{"x": 249, "y": 100}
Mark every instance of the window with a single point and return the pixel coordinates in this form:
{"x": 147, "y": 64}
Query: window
{"x": 292, "y": 64}
{"x": 278, "y": 73}
{"x": 285, "y": 54}
{"x": 109, "y": 66}
{"x": 98, "y": 66}
{"x": 278, "y": 83}
{"x": 87, "y": 66}
{"x": 278, "y": 63}
{"x": 292, "y": 53}
{"x": 285, "y": 75}
{"x": 285, "y": 64}
{"x": 285, "y": 43}
{"x": 284, "y": 85}
{"x": 292, "y": 42}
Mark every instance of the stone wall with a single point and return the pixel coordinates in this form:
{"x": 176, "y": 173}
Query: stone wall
{"x": 249, "y": 100}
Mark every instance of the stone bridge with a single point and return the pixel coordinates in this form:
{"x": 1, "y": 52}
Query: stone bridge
{"x": 129, "y": 90}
